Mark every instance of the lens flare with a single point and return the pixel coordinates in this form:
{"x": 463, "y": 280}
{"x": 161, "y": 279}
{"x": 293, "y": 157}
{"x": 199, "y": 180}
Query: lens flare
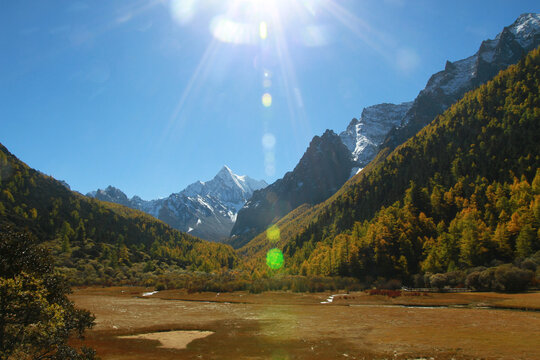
{"x": 183, "y": 10}
{"x": 270, "y": 169}
{"x": 272, "y": 233}
{"x": 280, "y": 355}
{"x": 232, "y": 32}
{"x": 263, "y": 30}
{"x": 268, "y": 141}
{"x": 266, "y": 100}
{"x": 274, "y": 259}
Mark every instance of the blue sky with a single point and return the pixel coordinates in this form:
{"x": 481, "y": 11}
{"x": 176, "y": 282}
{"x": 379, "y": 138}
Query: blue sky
{"x": 152, "y": 95}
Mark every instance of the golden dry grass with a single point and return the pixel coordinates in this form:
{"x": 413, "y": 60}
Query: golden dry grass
{"x": 297, "y": 326}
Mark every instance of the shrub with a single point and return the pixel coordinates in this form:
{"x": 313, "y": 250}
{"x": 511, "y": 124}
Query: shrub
{"x": 512, "y": 279}
{"x": 438, "y": 280}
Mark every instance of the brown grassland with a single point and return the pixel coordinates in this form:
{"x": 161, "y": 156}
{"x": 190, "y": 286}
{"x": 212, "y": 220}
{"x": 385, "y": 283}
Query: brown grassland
{"x": 283, "y": 325}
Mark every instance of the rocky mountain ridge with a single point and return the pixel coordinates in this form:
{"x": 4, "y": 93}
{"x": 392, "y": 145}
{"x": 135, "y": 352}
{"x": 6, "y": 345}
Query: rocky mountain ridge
{"x": 322, "y": 170}
{"x": 363, "y": 136}
{"x": 449, "y": 85}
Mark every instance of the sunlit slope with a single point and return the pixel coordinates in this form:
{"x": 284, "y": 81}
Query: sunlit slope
{"x": 80, "y": 229}
{"x": 467, "y": 175}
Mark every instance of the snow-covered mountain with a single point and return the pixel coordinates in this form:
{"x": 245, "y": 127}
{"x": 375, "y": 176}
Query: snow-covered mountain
{"x": 204, "y": 209}
{"x": 388, "y": 125}
{"x": 363, "y": 137}
{"x": 449, "y": 85}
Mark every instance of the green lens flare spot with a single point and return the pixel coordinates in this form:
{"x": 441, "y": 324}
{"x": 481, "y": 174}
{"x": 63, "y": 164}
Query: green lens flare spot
{"x": 272, "y": 233}
{"x": 280, "y": 355}
{"x": 274, "y": 259}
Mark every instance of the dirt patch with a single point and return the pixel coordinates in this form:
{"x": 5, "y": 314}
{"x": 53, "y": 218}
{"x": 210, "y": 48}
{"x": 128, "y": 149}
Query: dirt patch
{"x": 171, "y": 339}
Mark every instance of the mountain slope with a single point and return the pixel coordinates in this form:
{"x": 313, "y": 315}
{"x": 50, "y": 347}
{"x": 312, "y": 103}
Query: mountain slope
{"x": 204, "y": 209}
{"x": 446, "y": 87}
{"x": 324, "y": 167}
{"x": 383, "y": 127}
{"x": 463, "y": 192}
{"x": 80, "y": 230}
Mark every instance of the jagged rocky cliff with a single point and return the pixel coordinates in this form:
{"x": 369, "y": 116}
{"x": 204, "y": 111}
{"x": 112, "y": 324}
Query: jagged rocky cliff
{"x": 323, "y": 169}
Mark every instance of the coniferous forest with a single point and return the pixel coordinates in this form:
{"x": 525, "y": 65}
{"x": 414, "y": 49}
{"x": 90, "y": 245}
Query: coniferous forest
{"x": 462, "y": 195}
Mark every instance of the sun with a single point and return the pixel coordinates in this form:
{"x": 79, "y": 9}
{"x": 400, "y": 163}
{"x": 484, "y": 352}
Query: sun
{"x": 271, "y": 33}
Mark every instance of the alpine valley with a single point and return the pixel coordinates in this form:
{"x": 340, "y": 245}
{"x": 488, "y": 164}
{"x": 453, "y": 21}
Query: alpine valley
{"x": 421, "y": 218}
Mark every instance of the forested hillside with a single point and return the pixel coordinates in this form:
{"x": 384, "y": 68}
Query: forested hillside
{"x": 462, "y": 193}
{"x": 96, "y": 241}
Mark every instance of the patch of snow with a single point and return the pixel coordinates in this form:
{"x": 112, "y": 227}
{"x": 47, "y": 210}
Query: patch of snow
{"x": 362, "y": 137}
{"x": 461, "y": 75}
{"x": 204, "y": 203}
{"x": 354, "y": 171}
{"x": 331, "y": 298}
{"x": 525, "y": 27}
{"x": 150, "y": 293}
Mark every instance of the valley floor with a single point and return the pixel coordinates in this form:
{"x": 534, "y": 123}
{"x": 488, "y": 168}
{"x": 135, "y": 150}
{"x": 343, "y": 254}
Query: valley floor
{"x": 281, "y": 325}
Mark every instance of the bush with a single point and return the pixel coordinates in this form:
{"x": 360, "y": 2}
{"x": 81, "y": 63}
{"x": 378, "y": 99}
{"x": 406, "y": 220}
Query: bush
{"x": 505, "y": 277}
{"x": 418, "y": 281}
{"x": 391, "y": 284}
{"x": 472, "y": 281}
{"x": 512, "y": 279}
{"x": 438, "y": 280}
{"x": 486, "y": 279}
{"x": 529, "y": 264}
{"x": 161, "y": 286}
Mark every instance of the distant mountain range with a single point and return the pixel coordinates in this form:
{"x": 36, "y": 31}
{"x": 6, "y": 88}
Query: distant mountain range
{"x": 204, "y": 209}
{"x": 385, "y": 126}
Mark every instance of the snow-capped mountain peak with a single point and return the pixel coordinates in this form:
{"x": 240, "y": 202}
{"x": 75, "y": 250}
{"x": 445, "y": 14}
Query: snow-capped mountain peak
{"x": 362, "y": 137}
{"x": 449, "y": 85}
{"x": 467, "y": 73}
{"x": 525, "y": 28}
{"x": 388, "y": 125}
{"x": 206, "y": 209}
{"x": 225, "y": 172}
